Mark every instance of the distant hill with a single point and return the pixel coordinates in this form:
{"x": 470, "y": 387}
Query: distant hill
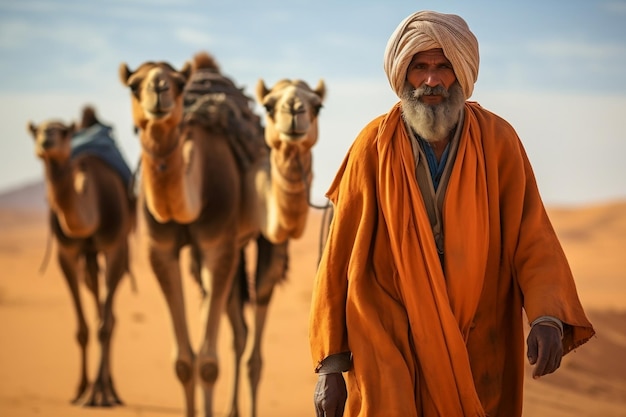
{"x": 30, "y": 197}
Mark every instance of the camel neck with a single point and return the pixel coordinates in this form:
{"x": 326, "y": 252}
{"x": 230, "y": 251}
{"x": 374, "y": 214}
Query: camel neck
{"x": 160, "y": 150}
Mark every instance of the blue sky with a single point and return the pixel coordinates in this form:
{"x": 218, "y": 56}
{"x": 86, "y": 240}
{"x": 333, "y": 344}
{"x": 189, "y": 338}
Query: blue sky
{"x": 555, "y": 69}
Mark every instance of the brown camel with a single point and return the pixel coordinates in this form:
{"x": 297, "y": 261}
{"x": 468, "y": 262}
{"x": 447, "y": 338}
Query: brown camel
{"x": 201, "y": 146}
{"x": 207, "y": 183}
{"x": 91, "y": 216}
{"x": 283, "y": 188}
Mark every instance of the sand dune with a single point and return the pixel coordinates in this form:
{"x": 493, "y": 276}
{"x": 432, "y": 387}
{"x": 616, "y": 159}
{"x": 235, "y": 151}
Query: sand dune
{"x": 38, "y": 354}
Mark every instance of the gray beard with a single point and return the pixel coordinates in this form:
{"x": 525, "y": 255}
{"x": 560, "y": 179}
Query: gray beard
{"x": 433, "y": 122}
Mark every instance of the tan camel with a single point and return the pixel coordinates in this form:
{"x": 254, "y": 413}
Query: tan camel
{"x": 207, "y": 183}
{"x": 91, "y": 216}
{"x": 283, "y": 189}
{"x": 201, "y": 145}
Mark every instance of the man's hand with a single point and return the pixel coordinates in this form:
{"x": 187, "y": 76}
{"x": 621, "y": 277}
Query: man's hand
{"x": 545, "y": 349}
{"x": 330, "y": 395}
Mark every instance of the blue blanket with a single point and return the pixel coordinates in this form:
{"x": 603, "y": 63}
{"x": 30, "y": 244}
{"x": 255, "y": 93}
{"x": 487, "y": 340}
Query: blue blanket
{"x": 98, "y": 140}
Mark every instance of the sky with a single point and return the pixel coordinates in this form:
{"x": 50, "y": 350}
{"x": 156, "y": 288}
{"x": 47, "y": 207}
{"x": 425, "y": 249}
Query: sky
{"x": 555, "y": 69}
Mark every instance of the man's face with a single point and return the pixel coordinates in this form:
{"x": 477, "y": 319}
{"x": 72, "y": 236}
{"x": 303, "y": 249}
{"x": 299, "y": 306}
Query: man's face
{"x": 430, "y": 68}
{"x": 433, "y": 98}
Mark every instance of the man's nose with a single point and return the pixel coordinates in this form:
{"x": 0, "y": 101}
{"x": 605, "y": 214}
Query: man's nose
{"x": 432, "y": 79}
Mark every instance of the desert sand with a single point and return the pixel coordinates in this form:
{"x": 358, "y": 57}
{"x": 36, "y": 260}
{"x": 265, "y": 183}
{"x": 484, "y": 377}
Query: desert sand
{"x": 39, "y": 361}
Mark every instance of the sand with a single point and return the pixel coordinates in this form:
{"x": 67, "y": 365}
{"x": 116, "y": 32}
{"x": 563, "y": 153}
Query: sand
{"x": 39, "y": 362}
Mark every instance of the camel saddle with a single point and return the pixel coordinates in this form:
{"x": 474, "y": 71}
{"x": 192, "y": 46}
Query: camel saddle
{"x": 214, "y": 101}
{"x": 97, "y": 140}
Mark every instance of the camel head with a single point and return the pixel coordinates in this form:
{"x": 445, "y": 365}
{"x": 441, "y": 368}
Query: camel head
{"x": 53, "y": 140}
{"x": 156, "y": 92}
{"x": 291, "y": 108}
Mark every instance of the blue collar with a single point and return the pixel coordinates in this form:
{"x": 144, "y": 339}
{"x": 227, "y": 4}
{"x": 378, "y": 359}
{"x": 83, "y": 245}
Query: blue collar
{"x": 435, "y": 167}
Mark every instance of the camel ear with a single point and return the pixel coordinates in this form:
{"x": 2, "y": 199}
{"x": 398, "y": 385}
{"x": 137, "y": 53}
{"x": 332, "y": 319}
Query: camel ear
{"x": 320, "y": 90}
{"x": 124, "y": 73}
{"x": 261, "y": 90}
{"x": 32, "y": 129}
{"x": 71, "y": 129}
{"x": 187, "y": 70}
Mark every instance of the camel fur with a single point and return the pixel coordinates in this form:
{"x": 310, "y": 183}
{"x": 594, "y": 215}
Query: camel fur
{"x": 91, "y": 216}
{"x": 283, "y": 183}
{"x": 207, "y": 183}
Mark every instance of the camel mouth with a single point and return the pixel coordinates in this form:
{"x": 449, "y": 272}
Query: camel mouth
{"x": 157, "y": 114}
{"x": 157, "y": 109}
{"x": 292, "y": 136}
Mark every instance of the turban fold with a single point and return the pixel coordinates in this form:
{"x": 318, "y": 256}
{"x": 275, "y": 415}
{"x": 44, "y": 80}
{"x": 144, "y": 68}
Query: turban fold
{"x": 426, "y": 30}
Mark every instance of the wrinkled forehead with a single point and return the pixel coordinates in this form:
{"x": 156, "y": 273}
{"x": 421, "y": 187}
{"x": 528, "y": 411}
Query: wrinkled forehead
{"x": 434, "y": 55}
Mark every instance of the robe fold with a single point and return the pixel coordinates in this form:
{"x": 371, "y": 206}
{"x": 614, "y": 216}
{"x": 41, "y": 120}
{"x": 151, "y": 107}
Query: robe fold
{"x": 429, "y": 340}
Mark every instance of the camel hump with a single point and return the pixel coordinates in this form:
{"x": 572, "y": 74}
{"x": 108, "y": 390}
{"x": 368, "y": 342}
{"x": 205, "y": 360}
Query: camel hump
{"x": 203, "y": 60}
{"x": 88, "y": 117}
{"x": 214, "y": 101}
{"x": 208, "y": 79}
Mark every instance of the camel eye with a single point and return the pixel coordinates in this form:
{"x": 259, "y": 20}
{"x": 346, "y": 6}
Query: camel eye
{"x": 270, "y": 110}
{"x": 179, "y": 81}
{"x": 134, "y": 87}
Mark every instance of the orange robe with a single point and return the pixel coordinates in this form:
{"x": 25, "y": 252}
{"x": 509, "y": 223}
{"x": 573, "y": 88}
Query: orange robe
{"x": 428, "y": 341}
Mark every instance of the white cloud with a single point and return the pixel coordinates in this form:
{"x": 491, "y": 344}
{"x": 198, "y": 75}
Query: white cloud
{"x": 15, "y": 34}
{"x": 194, "y": 37}
{"x": 34, "y": 6}
{"x": 562, "y": 48}
{"x": 615, "y": 7}
{"x": 23, "y": 34}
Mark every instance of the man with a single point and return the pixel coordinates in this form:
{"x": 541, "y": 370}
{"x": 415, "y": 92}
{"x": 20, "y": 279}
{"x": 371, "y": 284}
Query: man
{"x": 439, "y": 243}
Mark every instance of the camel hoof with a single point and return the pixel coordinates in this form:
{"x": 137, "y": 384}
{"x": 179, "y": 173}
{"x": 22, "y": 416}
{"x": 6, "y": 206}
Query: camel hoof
{"x": 81, "y": 392}
{"x": 100, "y": 395}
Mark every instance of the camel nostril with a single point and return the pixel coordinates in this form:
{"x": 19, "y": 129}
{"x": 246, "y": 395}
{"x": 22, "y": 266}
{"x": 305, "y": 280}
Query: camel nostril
{"x": 160, "y": 86}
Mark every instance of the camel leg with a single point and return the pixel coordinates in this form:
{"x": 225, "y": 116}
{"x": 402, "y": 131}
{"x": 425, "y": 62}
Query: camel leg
{"x": 92, "y": 272}
{"x": 103, "y": 392}
{"x": 235, "y": 311}
{"x": 271, "y": 269}
{"x": 195, "y": 268}
{"x": 218, "y": 273}
{"x": 164, "y": 259}
{"x": 68, "y": 261}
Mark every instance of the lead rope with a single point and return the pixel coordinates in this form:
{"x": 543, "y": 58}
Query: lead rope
{"x": 327, "y": 218}
{"x": 46, "y": 255}
{"x": 327, "y": 214}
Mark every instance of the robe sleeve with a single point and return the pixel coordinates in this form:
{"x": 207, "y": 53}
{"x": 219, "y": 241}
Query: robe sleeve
{"x": 539, "y": 262}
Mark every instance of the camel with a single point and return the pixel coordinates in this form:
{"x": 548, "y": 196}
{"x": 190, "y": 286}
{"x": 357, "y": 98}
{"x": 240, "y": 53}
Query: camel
{"x": 283, "y": 190}
{"x": 205, "y": 176}
{"x": 91, "y": 216}
{"x": 200, "y": 146}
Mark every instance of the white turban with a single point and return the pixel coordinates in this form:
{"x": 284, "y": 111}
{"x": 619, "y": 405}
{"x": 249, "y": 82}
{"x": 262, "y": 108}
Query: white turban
{"x": 426, "y": 30}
